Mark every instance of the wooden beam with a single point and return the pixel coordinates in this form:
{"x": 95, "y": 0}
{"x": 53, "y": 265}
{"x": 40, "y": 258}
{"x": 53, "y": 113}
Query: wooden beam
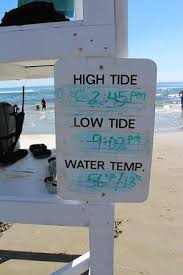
{"x": 78, "y": 266}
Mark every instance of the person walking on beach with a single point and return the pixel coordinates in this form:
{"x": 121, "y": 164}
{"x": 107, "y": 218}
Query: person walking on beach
{"x": 181, "y": 97}
{"x": 43, "y": 103}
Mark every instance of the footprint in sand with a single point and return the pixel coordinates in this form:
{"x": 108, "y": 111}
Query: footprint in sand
{"x": 136, "y": 272}
{"x": 168, "y": 218}
{"x": 160, "y": 157}
{"x": 117, "y": 226}
{"x": 4, "y": 227}
{"x": 172, "y": 191}
{"x": 117, "y": 229}
{"x": 171, "y": 219}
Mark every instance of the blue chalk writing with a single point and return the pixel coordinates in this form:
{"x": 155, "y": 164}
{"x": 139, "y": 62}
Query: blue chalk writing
{"x": 107, "y": 143}
{"x": 111, "y": 97}
{"x": 116, "y": 181}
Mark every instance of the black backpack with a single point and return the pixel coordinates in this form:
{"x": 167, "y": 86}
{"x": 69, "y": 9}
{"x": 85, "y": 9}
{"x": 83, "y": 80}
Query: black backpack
{"x": 33, "y": 13}
{"x": 11, "y": 123}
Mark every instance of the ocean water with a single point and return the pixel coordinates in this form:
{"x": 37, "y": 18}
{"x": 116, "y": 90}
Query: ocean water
{"x": 169, "y": 115}
{"x": 168, "y": 118}
{"x": 35, "y": 121}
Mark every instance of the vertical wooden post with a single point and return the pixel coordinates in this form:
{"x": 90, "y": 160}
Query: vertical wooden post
{"x": 121, "y": 27}
{"x": 101, "y": 236}
{"x": 78, "y": 9}
{"x": 98, "y": 12}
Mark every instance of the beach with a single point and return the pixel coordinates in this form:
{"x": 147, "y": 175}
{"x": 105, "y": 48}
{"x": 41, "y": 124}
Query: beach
{"x": 148, "y": 236}
{"x": 151, "y": 239}
{"x": 152, "y": 231}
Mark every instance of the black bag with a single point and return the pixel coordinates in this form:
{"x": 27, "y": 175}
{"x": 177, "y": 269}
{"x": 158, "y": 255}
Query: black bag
{"x": 11, "y": 123}
{"x": 32, "y": 13}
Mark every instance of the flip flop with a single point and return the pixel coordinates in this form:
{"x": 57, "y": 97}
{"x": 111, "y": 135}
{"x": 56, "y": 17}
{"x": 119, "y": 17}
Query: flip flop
{"x": 40, "y": 151}
{"x": 12, "y": 157}
{"x": 37, "y": 146}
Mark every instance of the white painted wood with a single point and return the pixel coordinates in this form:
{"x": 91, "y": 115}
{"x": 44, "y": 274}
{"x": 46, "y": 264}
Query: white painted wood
{"x": 56, "y": 42}
{"x": 76, "y": 267}
{"x": 44, "y": 212}
{"x": 58, "y": 39}
{"x": 121, "y": 27}
{"x": 40, "y": 26}
{"x": 98, "y": 12}
{"x": 78, "y": 8}
{"x": 29, "y": 44}
{"x": 26, "y": 201}
{"x": 101, "y": 234}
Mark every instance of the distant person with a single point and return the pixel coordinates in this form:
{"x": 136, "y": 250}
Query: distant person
{"x": 38, "y": 107}
{"x": 17, "y": 110}
{"x": 43, "y": 104}
{"x": 181, "y": 97}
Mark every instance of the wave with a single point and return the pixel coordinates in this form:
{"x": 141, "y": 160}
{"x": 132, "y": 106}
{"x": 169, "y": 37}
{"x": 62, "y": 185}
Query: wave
{"x": 169, "y": 108}
{"x": 11, "y": 92}
{"x": 170, "y": 87}
{"x": 173, "y": 95}
{"x": 26, "y": 91}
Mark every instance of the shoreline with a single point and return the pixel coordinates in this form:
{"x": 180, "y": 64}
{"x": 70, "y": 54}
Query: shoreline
{"x": 28, "y": 139}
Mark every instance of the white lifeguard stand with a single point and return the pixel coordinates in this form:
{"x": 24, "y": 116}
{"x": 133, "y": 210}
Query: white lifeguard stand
{"x": 30, "y": 52}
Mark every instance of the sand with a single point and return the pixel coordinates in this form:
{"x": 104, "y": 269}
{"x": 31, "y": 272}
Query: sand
{"x": 151, "y": 239}
{"x": 151, "y": 243}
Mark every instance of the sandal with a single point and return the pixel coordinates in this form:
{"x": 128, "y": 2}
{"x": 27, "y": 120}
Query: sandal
{"x": 40, "y": 151}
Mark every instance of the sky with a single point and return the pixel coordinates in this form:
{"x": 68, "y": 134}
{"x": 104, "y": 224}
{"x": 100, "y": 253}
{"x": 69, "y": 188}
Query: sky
{"x": 155, "y": 32}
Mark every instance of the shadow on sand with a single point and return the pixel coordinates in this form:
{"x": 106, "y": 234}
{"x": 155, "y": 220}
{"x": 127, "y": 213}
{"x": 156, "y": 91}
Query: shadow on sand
{"x": 6, "y": 255}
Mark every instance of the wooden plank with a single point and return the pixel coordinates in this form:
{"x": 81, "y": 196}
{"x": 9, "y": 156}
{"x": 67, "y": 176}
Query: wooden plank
{"x": 78, "y": 7}
{"x": 121, "y": 28}
{"x": 78, "y": 266}
{"x": 103, "y": 14}
{"x": 45, "y": 213}
{"x": 56, "y": 42}
{"x": 101, "y": 234}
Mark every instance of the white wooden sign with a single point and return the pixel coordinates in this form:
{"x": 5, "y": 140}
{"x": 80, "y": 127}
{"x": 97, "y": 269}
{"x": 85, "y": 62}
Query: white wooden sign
{"x": 105, "y": 109}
